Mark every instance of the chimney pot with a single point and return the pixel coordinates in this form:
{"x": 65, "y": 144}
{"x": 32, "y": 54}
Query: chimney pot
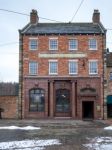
{"x": 96, "y": 16}
{"x": 34, "y": 17}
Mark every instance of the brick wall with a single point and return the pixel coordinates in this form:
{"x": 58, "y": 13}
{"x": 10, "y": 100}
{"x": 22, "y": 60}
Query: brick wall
{"x": 9, "y": 104}
{"x": 109, "y": 82}
{"x": 65, "y": 83}
{"x": 43, "y": 47}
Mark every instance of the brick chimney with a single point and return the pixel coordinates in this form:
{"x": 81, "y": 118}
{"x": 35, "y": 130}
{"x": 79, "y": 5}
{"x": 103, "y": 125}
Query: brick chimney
{"x": 96, "y": 16}
{"x": 34, "y": 17}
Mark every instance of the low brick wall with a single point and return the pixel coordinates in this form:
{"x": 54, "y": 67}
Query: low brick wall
{"x": 9, "y": 105}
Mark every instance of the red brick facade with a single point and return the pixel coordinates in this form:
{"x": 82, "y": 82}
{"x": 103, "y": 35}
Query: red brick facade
{"x": 9, "y": 106}
{"x": 43, "y": 47}
{"x": 84, "y": 90}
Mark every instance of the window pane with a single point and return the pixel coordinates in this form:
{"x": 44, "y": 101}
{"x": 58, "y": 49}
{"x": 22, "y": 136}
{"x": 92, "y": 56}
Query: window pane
{"x": 73, "y": 44}
{"x": 53, "y": 44}
{"x": 93, "y": 68}
{"x": 33, "y": 68}
{"x": 62, "y": 100}
{"x": 37, "y": 91}
{"x": 37, "y": 101}
{"x": 73, "y": 67}
{"x": 33, "y": 44}
{"x": 92, "y": 44}
{"x": 53, "y": 67}
{"x": 110, "y": 75}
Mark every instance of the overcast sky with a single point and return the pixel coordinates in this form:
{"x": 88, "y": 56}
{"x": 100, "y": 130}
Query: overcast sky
{"x": 60, "y": 10}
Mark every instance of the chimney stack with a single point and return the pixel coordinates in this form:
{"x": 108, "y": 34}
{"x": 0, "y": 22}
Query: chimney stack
{"x": 96, "y": 16}
{"x": 34, "y": 17}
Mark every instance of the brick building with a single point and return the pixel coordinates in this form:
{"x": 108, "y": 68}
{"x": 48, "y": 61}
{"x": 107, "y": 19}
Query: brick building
{"x": 61, "y": 69}
{"x": 9, "y": 100}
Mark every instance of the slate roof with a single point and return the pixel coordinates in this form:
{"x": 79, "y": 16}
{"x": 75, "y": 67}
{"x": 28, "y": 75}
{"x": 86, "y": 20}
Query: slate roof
{"x": 63, "y": 28}
{"x": 109, "y": 59}
{"x": 9, "y": 89}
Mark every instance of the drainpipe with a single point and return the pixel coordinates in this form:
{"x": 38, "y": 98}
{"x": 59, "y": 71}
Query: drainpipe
{"x": 20, "y": 74}
{"x": 76, "y": 98}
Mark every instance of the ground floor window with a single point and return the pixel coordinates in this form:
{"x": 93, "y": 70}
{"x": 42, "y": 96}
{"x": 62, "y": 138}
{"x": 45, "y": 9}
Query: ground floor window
{"x": 62, "y": 100}
{"x": 36, "y": 100}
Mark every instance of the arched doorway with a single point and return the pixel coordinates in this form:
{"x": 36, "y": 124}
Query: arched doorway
{"x": 62, "y": 103}
{"x": 88, "y": 96}
{"x": 36, "y": 100}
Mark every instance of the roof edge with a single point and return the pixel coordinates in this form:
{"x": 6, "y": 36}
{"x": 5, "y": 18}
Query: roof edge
{"x": 102, "y": 27}
{"x": 24, "y": 28}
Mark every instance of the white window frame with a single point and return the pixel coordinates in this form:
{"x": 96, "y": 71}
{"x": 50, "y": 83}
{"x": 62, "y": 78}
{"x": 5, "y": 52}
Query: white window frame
{"x": 69, "y": 43}
{"x": 36, "y": 69}
{"x": 53, "y": 61}
{"x": 30, "y": 47}
{"x": 73, "y": 73}
{"x": 89, "y": 43}
{"x": 53, "y": 39}
{"x": 93, "y": 61}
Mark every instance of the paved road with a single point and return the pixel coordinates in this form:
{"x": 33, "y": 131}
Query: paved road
{"x": 53, "y": 135}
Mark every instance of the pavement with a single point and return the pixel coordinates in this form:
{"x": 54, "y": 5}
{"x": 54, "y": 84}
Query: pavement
{"x": 72, "y": 134}
{"x": 55, "y": 122}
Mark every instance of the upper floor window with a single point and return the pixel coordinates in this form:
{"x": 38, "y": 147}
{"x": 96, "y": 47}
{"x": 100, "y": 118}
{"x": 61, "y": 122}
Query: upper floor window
{"x": 53, "y": 67}
{"x": 33, "y": 68}
{"x": 110, "y": 75}
{"x": 93, "y": 67}
{"x": 33, "y": 44}
{"x": 73, "y": 67}
{"x": 37, "y": 100}
{"x": 53, "y": 44}
{"x": 73, "y": 44}
{"x": 92, "y": 44}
